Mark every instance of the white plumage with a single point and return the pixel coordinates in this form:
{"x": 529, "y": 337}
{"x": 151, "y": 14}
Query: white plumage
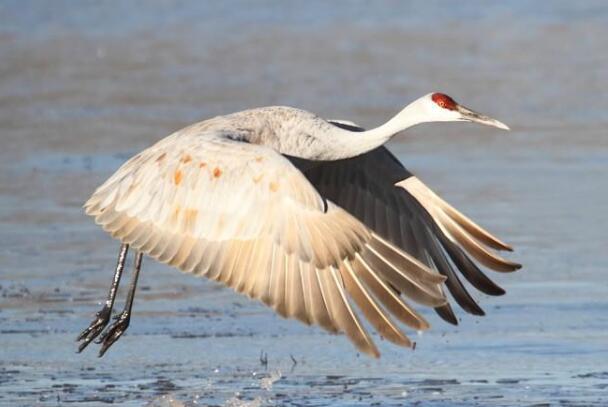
{"x": 311, "y": 217}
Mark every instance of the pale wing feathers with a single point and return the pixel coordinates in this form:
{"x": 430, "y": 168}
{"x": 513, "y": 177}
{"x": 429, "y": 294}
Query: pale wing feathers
{"x": 343, "y": 314}
{"x": 242, "y": 215}
{"x": 410, "y": 287}
{"x": 190, "y": 187}
{"x": 406, "y": 214}
{"x": 388, "y": 296}
{"x": 370, "y": 307}
{"x": 459, "y": 228}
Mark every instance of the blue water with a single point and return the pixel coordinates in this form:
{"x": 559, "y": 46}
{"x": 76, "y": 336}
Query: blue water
{"x": 84, "y": 85}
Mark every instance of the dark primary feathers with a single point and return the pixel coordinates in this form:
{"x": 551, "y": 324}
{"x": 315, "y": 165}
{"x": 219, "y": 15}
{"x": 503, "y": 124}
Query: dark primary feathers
{"x": 366, "y": 187}
{"x": 323, "y": 242}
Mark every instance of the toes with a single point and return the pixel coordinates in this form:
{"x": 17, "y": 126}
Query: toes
{"x": 83, "y": 345}
{"x": 110, "y": 329}
{"x": 102, "y": 335}
{"x": 87, "y": 331}
{"x": 88, "y": 335}
{"x": 94, "y": 329}
{"x": 109, "y": 340}
{"x": 83, "y": 334}
{"x": 113, "y": 333}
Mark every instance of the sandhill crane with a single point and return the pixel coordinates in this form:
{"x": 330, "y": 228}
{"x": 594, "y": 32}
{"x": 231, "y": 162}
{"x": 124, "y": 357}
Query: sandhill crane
{"x": 310, "y": 216}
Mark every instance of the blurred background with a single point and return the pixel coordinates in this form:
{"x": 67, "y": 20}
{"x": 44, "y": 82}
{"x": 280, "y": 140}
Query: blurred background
{"x": 84, "y": 85}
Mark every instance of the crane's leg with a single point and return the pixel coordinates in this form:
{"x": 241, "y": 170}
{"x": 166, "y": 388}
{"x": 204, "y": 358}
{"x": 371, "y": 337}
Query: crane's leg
{"x": 103, "y": 316}
{"x": 122, "y": 320}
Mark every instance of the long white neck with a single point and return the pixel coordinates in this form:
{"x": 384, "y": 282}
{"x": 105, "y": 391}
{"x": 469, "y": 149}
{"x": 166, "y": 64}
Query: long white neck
{"x": 352, "y": 144}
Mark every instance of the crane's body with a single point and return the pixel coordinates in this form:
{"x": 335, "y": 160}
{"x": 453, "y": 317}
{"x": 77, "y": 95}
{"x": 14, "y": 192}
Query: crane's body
{"x": 229, "y": 198}
{"x": 272, "y": 126}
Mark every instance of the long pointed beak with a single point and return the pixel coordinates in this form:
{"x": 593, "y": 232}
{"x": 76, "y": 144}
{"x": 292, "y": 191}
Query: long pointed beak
{"x": 472, "y": 116}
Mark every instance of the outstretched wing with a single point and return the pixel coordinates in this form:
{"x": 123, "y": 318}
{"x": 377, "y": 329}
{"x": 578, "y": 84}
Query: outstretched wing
{"x": 381, "y": 193}
{"x": 243, "y": 215}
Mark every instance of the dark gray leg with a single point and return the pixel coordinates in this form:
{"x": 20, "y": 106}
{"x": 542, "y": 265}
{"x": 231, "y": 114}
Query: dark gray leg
{"x": 103, "y": 316}
{"x": 122, "y": 320}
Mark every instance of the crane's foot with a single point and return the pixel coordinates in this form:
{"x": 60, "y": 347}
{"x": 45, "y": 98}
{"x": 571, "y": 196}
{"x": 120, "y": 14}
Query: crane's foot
{"x": 114, "y": 332}
{"x": 95, "y": 328}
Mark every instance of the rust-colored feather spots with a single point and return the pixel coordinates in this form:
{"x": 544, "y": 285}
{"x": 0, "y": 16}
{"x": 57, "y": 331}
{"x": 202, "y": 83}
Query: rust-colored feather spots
{"x": 161, "y": 157}
{"x": 186, "y": 158}
{"x": 189, "y": 218}
{"x": 177, "y": 177}
{"x": 217, "y": 172}
{"x": 175, "y": 213}
{"x": 273, "y": 186}
{"x": 259, "y": 159}
{"x": 202, "y": 164}
{"x": 258, "y": 178}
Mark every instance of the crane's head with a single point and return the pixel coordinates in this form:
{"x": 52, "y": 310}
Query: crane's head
{"x": 438, "y": 107}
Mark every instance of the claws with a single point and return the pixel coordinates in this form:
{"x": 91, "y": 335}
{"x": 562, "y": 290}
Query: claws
{"x": 114, "y": 332}
{"x": 107, "y": 337}
{"x": 95, "y": 328}
{"x": 102, "y": 318}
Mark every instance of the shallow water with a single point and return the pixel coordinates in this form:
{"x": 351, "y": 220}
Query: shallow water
{"x": 82, "y": 88}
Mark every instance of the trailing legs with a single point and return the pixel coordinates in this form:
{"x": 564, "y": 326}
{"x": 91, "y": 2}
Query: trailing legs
{"x": 103, "y": 315}
{"x": 121, "y": 321}
{"x": 102, "y": 318}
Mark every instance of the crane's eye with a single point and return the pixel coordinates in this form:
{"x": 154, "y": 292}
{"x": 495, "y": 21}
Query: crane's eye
{"x": 444, "y": 101}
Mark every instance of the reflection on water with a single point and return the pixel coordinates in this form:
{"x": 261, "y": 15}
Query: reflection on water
{"x": 82, "y": 87}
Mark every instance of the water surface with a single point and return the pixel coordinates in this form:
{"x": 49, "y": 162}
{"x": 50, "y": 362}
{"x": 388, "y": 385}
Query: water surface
{"x": 84, "y": 86}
